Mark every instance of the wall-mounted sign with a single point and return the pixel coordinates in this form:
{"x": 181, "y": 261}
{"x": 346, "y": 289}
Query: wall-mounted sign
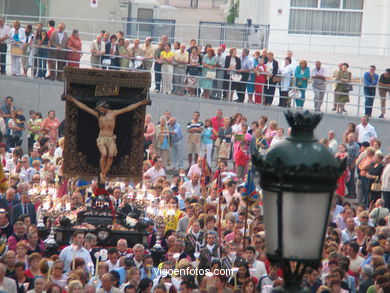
{"x": 94, "y": 3}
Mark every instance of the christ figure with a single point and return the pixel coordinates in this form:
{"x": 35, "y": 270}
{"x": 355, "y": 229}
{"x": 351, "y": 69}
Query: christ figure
{"x": 106, "y": 139}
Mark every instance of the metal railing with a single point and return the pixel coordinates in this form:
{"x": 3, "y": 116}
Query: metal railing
{"x": 223, "y": 86}
{"x": 367, "y": 43}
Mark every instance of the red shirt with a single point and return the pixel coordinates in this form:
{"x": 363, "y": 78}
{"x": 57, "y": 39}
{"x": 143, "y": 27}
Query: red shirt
{"x": 50, "y": 31}
{"x": 216, "y": 124}
{"x": 241, "y": 158}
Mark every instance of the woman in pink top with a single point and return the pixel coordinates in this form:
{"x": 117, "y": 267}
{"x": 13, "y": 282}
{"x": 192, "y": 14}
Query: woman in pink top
{"x": 50, "y": 126}
{"x": 74, "y": 44}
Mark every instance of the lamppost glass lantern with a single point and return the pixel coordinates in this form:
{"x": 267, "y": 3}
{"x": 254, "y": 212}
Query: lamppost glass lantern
{"x": 298, "y": 178}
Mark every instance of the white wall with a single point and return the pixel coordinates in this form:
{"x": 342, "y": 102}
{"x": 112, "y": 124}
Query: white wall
{"x": 375, "y": 21}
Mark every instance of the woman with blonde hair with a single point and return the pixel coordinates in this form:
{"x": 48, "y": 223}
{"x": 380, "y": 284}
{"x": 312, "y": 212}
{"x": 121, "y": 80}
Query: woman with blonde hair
{"x": 302, "y": 75}
{"x": 75, "y": 287}
{"x": 18, "y": 38}
{"x": 133, "y": 277}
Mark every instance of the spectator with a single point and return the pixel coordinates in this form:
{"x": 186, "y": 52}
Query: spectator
{"x": 233, "y": 67}
{"x": 18, "y": 38}
{"x": 176, "y": 144}
{"x": 302, "y": 75}
{"x": 272, "y": 69}
{"x": 98, "y": 48}
{"x": 7, "y": 284}
{"x": 124, "y": 55}
{"x": 370, "y": 82}
{"x": 384, "y": 88}
{"x": 286, "y": 74}
{"x": 50, "y": 126}
{"x": 162, "y": 138}
{"x": 180, "y": 69}
{"x": 365, "y": 131}
{"x": 194, "y": 70}
{"x": 343, "y": 87}
{"x": 24, "y": 208}
{"x": 157, "y": 66}
{"x": 318, "y": 74}
{"x": 149, "y": 51}
{"x": 4, "y": 35}
{"x": 27, "y": 49}
{"x": 166, "y": 58}
{"x": 194, "y": 130}
{"x": 220, "y": 57}
{"x": 245, "y": 70}
{"x": 58, "y": 40}
{"x": 208, "y": 72}
{"x": 110, "y": 59}
{"x": 69, "y": 253}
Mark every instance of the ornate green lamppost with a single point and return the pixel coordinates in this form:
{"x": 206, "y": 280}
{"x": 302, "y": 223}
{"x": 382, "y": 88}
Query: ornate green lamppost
{"x": 298, "y": 178}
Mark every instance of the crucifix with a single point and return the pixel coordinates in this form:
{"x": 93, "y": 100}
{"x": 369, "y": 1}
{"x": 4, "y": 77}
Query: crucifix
{"x": 106, "y": 117}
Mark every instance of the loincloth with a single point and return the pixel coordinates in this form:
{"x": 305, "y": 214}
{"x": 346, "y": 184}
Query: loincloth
{"x": 108, "y": 144}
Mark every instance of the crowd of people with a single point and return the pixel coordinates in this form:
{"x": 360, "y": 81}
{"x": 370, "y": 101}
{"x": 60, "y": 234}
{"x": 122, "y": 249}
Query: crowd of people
{"x": 208, "y": 228}
{"x": 193, "y": 70}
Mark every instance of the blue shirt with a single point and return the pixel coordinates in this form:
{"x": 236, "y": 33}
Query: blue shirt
{"x": 165, "y": 145}
{"x": 206, "y": 135}
{"x": 368, "y": 81}
{"x": 178, "y": 133}
{"x": 246, "y": 63}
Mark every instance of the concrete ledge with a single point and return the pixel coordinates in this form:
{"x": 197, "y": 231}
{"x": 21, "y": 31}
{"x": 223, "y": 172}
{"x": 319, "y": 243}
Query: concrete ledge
{"x": 44, "y": 95}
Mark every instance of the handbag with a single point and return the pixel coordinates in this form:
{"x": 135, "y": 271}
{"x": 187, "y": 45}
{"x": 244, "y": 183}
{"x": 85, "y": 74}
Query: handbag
{"x": 347, "y": 88}
{"x": 211, "y": 74}
{"x": 217, "y": 142}
{"x": 224, "y": 150}
{"x": 276, "y": 79}
{"x": 236, "y": 77}
{"x": 106, "y": 61}
{"x": 376, "y": 186}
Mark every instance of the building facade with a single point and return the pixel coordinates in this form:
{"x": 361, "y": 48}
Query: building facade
{"x": 336, "y": 26}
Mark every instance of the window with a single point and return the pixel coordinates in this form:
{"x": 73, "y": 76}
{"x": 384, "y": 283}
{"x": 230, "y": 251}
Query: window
{"x": 353, "y": 4}
{"x": 304, "y": 3}
{"x": 330, "y": 3}
{"x": 329, "y": 17}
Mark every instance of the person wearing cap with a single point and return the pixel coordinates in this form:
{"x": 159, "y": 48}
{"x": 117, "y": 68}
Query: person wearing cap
{"x": 384, "y": 88}
{"x": 106, "y": 139}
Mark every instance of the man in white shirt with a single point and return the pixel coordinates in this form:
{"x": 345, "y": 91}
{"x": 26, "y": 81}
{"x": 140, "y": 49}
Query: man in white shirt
{"x": 196, "y": 168}
{"x": 318, "y": 75}
{"x": 193, "y": 185}
{"x": 6, "y": 284}
{"x": 333, "y": 146}
{"x": 98, "y": 48}
{"x": 355, "y": 259}
{"x": 230, "y": 193}
{"x": 349, "y": 232}
{"x": 138, "y": 254}
{"x": 76, "y": 249}
{"x": 156, "y": 171}
{"x": 365, "y": 131}
{"x": 4, "y": 35}
{"x": 113, "y": 259}
{"x": 256, "y": 267}
{"x": 180, "y": 69}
